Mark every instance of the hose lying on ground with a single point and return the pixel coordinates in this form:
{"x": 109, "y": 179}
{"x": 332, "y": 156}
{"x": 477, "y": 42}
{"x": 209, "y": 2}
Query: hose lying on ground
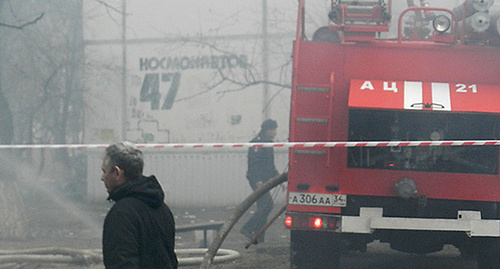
{"x": 87, "y": 257}
{"x": 51, "y": 255}
{"x": 223, "y": 255}
{"x": 240, "y": 210}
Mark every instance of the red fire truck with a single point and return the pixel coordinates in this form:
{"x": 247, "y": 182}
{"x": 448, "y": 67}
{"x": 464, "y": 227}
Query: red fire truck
{"x": 405, "y": 79}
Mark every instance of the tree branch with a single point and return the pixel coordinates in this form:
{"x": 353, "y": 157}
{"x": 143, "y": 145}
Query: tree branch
{"x": 19, "y": 27}
{"x": 242, "y": 85}
{"x": 109, "y": 6}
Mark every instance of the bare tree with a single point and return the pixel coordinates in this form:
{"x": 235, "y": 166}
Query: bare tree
{"x": 239, "y": 83}
{"x": 46, "y": 63}
{"x": 14, "y": 221}
{"x": 44, "y": 56}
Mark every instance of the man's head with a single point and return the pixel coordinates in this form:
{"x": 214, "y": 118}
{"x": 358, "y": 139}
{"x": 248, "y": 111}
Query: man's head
{"x": 269, "y": 128}
{"x": 121, "y": 162}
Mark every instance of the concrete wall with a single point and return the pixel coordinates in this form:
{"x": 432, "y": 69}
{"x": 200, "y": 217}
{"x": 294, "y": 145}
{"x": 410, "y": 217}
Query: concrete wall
{"x": 192, "y": 178}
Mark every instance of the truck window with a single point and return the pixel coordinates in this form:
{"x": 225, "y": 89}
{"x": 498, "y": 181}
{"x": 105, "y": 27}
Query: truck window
{"x": 390, "y": 125}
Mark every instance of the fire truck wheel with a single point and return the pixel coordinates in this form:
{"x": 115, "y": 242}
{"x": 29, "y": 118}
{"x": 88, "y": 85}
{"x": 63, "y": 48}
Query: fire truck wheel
{"x": 324, "y": 34}
{"x": 311, "y": 249}
{"x": 489, "y": 253}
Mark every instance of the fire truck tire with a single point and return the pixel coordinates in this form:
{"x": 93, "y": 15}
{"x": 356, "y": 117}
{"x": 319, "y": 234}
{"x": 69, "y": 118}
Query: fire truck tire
{"x": 324, "y": 34}
{"x": 311, "y": 249}
{"x": 489, "y": 253}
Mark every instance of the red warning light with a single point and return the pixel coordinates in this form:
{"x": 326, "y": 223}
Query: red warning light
{"x": 288, "y": 221}
{"x": 318, "y": 223}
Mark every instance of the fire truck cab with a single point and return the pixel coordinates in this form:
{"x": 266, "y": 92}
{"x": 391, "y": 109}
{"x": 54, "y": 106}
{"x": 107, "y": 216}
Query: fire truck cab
{"x": 415, "y": 86}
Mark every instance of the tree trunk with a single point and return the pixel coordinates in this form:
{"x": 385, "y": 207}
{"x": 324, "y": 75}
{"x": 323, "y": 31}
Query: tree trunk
{"x": 13, "y": 223}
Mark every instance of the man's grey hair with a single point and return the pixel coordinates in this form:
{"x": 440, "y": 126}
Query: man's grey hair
{"x": 127, "y": 157}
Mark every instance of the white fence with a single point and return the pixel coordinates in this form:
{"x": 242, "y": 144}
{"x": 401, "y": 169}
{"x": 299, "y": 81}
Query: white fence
{"x": 192, "y": 177}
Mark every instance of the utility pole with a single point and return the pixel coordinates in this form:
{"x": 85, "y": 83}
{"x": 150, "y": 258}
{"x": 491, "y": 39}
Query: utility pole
{"x": 266, "y": 107}
{"x": 124, "y": 71}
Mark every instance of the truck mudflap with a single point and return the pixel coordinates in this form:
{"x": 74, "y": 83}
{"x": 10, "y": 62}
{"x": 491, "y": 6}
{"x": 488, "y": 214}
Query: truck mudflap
{"x": 371, "y": 219}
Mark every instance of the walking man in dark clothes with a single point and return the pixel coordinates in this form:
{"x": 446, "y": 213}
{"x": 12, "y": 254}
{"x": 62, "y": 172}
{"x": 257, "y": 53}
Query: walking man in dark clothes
{"x": 139, "y": 228}
{"x": 260, "y": 169}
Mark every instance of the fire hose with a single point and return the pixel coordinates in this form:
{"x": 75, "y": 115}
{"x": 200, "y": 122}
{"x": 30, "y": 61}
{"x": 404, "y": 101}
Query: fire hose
{"x": 86, "y": 257}
{"x": 50, "y": 255}
{"x": 208, "y": 259}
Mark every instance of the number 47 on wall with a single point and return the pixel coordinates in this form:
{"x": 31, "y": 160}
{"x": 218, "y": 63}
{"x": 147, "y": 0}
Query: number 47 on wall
{"x": 150, "y": 91}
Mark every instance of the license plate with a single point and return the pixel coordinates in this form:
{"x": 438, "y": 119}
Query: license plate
{"x": 317, "y": 199}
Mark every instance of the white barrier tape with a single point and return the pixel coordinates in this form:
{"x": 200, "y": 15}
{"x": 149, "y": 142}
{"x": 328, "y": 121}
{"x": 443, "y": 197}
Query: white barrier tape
{"x": 273, "y": 145}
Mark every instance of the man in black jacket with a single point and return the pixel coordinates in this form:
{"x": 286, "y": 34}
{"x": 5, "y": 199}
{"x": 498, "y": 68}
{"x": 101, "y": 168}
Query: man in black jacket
{"x": 139, "y": 229}
{"x": 260, "y": 169}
